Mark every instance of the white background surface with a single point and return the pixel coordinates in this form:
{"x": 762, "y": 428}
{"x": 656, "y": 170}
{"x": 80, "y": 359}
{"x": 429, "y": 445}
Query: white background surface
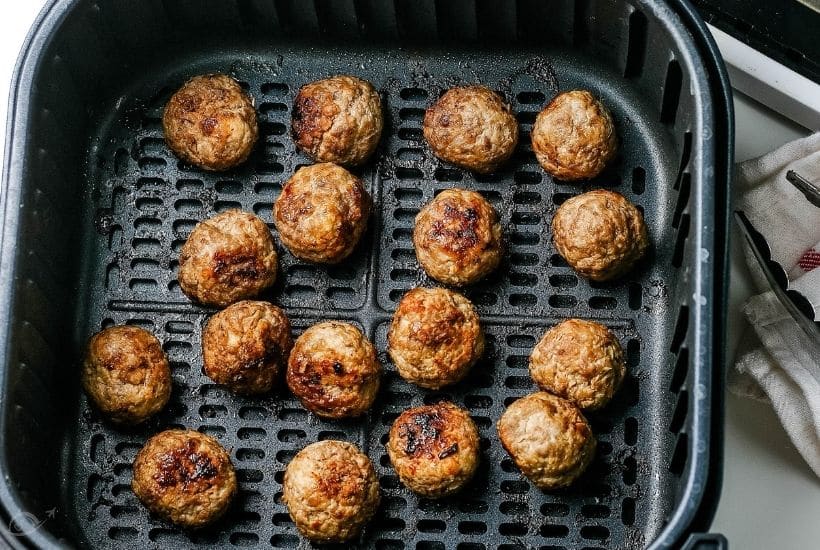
{"x": 771, "y": 499}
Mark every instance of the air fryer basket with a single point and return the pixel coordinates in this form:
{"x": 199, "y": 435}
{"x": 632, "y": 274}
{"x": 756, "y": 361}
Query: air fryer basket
{"x": 96, "y": 208}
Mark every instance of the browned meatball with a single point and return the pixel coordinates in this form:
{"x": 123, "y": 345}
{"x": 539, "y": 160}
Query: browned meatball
{"x": 321, "y": 213}
{"x": 331, "y": 491}
{"x": 246, "y": 346}
{"x": 126, "y": 374}
{"x": 579, "y": 360}
{"x": 600, "y": 234}
{"x": 548, "y": 439}
{"x": 185, "y": 477}
{"x": 458, "y": 237}
{"x": 333, "y": 370}
{"x": 435, "y": 337}
{"x": 574, "y": 136}
{"x": 211, "y": 122}
{"x": 434, "y": 449}
{"x": 471, "y": 127}
{"x": 227, "y": 258}
{"x": 338, "y": 119}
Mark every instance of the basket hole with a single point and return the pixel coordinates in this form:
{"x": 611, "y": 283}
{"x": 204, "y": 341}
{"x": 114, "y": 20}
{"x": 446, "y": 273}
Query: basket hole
{"x": 523, "y": 300}
{"x": 671, "y": 92}
{"x": 595, "y": 511}
{"x": 482, "y": 298}
{"x": 633, "y": 353}
{"x": 594, "y": 532}
{"x": 473, "y": 506}
{"x": 680, "y": 241}
{"x": 404, "y": 173}
{"x": 514, "y": 529}
{"x": 553, "y": 531}
{"x": 525, "y": 218}
{"x": 520, "y": 341}
{"x": 524, "y": 238}
{"x": 244, "y": 539}
{"x": 555, "y": 509}
{"x": 332, "y": 435}
{"x": 288, "y": 414}
{"x": 389, "y": 545}
{"x": 183, "y": 228}
{"x": 472, "y": 527}
{"x": 635, "y": 296}
{"x": 478, "y": 401}
{"x": 290, "y": 436}
{"x": 413, "y": 94}
{"x": 631, "y": 431}
{"x": 222, "y": 206}
{"x": 179, "y": 327}
{"x": 630, "y": 473}
{"x": 253, "y": 412}
{"x": 628, "y": 511}
{"x": 681, "y": 369}
{"x": 530, "y": 98}
{"x": 518, "y": 361}
{"x": 406, "y": 194}
{"x": 510, "y": 507}
{"x": 679, "y": 455}
{"x": 284, "y": 541}
{"x": 217, "y": 432}
{"x": 526, "y": 197}
{"x": 249, "y": 455}
{"x": 410, "y": 134}
{"x": 563, "y": 280}
{"x": 681, "y": 328}
{"x": 251, "y": 434}
{"x": 515, "y": 487}
{"x": 636, "y": 45}
{"x": 213, "y": 411}
{"x": 683, "y": 198}
{"x": 685, "y": 156}
{"x": 603, "y": 302}
{"x": 405, "y": 214}
{"x": 142, "y": 285}
{"x": 638, "y": 180}
{"x": 403, "y": 234}
{"x": 412, "y": 114}
{"x": 562, "y": 301}
{"x": 680, "y": 413}
{"x": 557, "y": 261}
{"x": 527, "y": 178}
{"x": 122, "y": 533}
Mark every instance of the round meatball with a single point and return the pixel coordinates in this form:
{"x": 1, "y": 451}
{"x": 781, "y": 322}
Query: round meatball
{"x": 331, "y": 491}
{"x": 434, "y": 449}
{"x": 246, "y": 346}
{"x": 333, "y": 370}
{"x": 548, "y": 439}
{"x": 227, "y": 258}
{"x": 338, "y": 119}
{"x": 184, "y": 477}
{"x": 574, "y": 136}
{"x": 471, "y": 127}
{"x": 321, "y": 213}
{"x": 579, "y": 360}
{"x": 600, "y": 234}
{"x": 126, "y": 374}
{"x": 458, "y": 237}
{"x": 435, "y": 337}
{"x": 211, "y": 123}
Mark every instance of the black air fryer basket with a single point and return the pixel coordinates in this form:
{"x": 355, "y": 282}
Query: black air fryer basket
{"x": 96, "y": 208}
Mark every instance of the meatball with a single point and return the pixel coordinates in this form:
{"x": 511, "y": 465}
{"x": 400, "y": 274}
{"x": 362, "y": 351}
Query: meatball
{"x": 246, "y": 346}
{"x": 471, "y": 127}
{"x": 211, "y": 123}
{"x": 548, "y": 439}
{"x": 331, "y": 491}
{"x": 579, "y": 360}
{"x": 434, "y": 449}
{"x": 227, "y": 258}
{"x": 321, "y": 213}
{"x": 185, "y": 477}
{"x": 574, "y": 136}
{"x": 126, "y": 374}
{"x": 333, "y": 370}
{"x": 338, "y": 119}
{"x": 600, "y": 234}
{"x": 435, "y": 337}
{"x": 458, "y": 237}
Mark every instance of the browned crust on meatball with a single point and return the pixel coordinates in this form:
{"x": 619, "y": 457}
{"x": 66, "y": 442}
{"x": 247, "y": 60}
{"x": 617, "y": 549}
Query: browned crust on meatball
{"x": 434, "y": 449}
{"x": 333, "y": 370}
{"x": 435, "y": 337}
{"x": 211, "y": 122}
{"x": 331, "y": 491}
{"x": 548, "y": 439}
{"x": 322, "y": 213}
{"x": 600, "y": 234}
{"x": 579, "y": 360}
{"x": 574, "y": 136}
{"x": 126, "y": 374}
{"x": 458, "y": 237}
{"x": 184, "y": 477}
{"x": 246, "y": 346}
{"x": 338, "y": 119}
{"x": 471, "y": 127}
{"x": 227, "y": 258}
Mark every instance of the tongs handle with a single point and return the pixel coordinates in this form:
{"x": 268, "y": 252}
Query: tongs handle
{"x": 810, "y": 190}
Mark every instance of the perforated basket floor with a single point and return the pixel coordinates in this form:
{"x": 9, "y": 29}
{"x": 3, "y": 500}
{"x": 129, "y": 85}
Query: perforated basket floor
{"x": 145, "y": 204}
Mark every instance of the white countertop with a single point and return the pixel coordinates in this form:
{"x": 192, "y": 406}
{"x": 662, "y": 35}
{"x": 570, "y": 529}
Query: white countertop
{"x": 771, "y": 499}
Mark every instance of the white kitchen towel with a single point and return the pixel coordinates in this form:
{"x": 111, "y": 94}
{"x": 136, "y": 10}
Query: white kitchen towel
{"x": 783, "y": 360}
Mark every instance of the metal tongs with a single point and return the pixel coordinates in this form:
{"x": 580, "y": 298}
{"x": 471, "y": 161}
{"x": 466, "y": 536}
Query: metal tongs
{"x": 796, "y": 304}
